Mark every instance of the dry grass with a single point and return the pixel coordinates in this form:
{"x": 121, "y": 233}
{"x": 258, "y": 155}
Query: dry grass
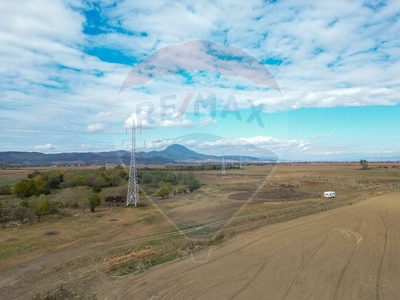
{"x": 117, "y": 233}
{"x": 25, "y": 242}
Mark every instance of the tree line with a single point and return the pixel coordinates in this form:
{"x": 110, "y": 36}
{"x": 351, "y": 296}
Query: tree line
{"x": 89, "y": 187}
{"x": 39, "y": 183}
{"x": 203, "y": 167}
{"x": 163, "y": 183}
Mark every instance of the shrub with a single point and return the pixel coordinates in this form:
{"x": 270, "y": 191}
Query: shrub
{"x": 24, "y": 203}
{"x": 115, "y": 199}
{"x": 41, "y": 207}
{"x": 193, "y": 184}
{"x": 25, "y": 188}
{"x": 96, "y": 189}
{"x": 165, "y": 190}
{"x": 5, "y": 190}
{"x": 93, "y": 201}
{"x": 21, "y": 213}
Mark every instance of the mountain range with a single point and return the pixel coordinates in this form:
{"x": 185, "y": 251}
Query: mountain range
{"x": 172, "y": 154}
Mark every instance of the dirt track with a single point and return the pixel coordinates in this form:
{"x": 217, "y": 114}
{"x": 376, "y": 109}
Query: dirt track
{"x": 351, "y": 252}
{"x": 348, "y": 253}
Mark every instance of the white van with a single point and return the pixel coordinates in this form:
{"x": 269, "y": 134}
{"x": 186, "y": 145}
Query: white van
{"x": 329, "y": 194}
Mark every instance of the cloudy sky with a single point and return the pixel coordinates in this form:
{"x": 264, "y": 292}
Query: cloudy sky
{"x": 306, "y": 80}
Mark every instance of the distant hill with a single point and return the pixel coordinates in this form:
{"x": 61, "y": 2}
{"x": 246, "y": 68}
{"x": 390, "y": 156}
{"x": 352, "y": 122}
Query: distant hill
{"x": 172, "y": 154}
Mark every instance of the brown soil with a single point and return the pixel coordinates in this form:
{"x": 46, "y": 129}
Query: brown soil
{"x": 347, "y": 253}
{"x": 344, "y": 253}
{"x": 273, "y": 195}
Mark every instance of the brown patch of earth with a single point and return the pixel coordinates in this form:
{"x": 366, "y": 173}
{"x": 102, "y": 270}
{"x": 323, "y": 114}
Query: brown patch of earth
{"x": 273, "y": 195}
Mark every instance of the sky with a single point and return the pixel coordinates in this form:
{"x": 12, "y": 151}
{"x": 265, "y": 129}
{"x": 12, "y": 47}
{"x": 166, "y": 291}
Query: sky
{"x": 305, "y": 80}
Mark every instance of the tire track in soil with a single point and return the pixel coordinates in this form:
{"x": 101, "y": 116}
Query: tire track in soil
{"x": 180, "y": 288}
{"x": 303, "y": 267}
{"x": 253, "y": 242}
{"x": 378, "y": 281}
{"x": 339, "y": 283}
{"x": 284, "y": 229}
{"x": 237, "y": 249}
{"x": 243, "y": 288}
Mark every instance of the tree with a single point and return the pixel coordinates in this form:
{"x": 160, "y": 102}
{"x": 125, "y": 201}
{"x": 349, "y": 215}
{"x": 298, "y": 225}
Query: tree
{"x": 80, "y": 181}
{"x": 114, "y": 180}
{"x": 364, "y": 164}
{"x": 146, "y": 178}
{"x": 25, "y": 188}
{"x": 121, "y": 172}
{"x": 42, "y": 185}
{"x": 180, "y": 190}
{"x": 31, "y": 175}
{"x": 193, "y": 184}
{"x": 170, "y": 177}
{"x": 41, "y": 207}
{"x": 94, "y": 201}
{"x": 54, "y": 178}
{"x": 165, "y": 190}
{"x": 1, "y": 209}
{"x": 76, "y": 196}
{"x": 96, "y": 189}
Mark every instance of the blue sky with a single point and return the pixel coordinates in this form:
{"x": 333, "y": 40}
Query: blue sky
{"x": 332, "y": 94}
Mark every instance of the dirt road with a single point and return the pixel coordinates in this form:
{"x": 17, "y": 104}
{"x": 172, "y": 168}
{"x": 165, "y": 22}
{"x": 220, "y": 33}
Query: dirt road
{"x": 348, "y": 253}
{"x": 351, "y": 252}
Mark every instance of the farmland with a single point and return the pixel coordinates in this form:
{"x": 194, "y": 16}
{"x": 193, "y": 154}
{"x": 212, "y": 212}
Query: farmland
{"x": 269, "y": 222}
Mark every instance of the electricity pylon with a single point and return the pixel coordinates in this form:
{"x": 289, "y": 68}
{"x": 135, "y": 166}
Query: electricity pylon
{"x": 133, "y": 195}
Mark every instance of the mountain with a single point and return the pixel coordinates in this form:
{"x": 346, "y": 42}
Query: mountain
{"x": 172, "y": 154}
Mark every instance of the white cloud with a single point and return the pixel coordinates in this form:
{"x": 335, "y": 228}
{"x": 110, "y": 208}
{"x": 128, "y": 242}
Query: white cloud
{"x": 190, "y": 143}
{"x": 177, "y": 123}
{"x": 158, "y": 143}
{"x": 207, "y": 120}
{"x": 327, "y": 56}
{"x": 96, "y": 127}
{"x": 262, "y": 142}
{"x": 104, "y": 114}
{"x": 45, "y": 147}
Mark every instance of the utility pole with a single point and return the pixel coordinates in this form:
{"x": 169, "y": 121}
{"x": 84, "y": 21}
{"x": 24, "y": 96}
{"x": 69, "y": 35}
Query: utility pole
{"x": 133, "y": 195}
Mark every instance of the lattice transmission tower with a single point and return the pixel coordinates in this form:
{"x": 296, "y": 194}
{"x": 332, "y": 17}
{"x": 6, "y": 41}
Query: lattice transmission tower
{"x": 133, "y": 194}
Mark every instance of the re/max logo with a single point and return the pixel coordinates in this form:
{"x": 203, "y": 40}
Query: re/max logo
{"x": 145, "y": 110}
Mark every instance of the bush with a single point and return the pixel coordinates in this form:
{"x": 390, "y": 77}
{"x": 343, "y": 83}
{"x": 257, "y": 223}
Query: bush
{"x": 96, "y": 189}
{"x": 76, "y": 196}
{"x": 24, "y": 203}
{"x": 115, "y": 199}
{"x": 21, "y": 213}
{"x": 165, "y": 190}
{"x": 25, "y": 188}
{"x": 93, "y": 201}
{"x": 41, "y": 207}
{"x": 80, "y": 181}
{"x": 193, "y": 184}
{"x": 181, "y": 190}
{"x": 5, "y": 190}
